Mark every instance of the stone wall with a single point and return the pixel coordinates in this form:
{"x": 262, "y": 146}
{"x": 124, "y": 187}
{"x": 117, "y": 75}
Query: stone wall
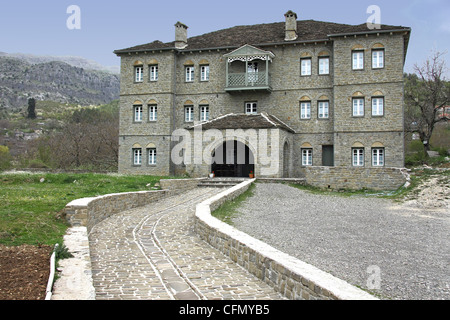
{"x": 335, "y": 178}
{"x": 286, "y": 274}
{"x": 87, "y": 212}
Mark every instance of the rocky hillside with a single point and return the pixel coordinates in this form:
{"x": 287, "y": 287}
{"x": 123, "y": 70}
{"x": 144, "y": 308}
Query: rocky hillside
{"x": 53, "y": 81}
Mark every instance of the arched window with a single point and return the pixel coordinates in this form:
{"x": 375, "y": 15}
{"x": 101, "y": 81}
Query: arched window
{"x": 378, "y": 56}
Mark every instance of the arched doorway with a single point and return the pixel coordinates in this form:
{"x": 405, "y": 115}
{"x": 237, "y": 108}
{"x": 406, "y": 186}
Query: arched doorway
{"x": 286, "y": 160}
{"x": 233, "y": 159}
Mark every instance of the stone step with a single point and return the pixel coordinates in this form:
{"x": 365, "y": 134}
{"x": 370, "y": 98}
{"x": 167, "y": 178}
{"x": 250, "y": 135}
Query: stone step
{"x": 221, "y": 182}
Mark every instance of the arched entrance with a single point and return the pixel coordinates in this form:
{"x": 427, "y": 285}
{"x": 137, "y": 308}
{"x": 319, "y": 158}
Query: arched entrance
{"x": 286, "y": 160}
{"x": 233, "y": 159}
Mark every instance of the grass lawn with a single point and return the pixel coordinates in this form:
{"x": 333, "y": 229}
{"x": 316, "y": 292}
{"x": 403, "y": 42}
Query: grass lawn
{"x": 30, "y": 210}
{"x": 227, "y": 211}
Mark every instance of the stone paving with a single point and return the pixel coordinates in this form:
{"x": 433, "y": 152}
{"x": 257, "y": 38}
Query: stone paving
{"x": 153, "y": 253}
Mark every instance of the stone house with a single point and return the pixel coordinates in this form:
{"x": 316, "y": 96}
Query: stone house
{"x": 273, "y": 99}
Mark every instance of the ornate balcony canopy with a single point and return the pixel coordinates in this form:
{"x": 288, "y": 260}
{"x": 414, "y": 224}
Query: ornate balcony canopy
{"x": 252, "y": 78}
{"x": 249, "y": 53}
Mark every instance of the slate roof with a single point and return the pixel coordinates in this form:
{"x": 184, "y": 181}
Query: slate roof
{"x": 244, "y": 121}
{"x": 263, "y": 35}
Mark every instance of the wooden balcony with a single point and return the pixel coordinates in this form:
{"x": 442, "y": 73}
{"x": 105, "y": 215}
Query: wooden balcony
{"x": 255, "y": 63}
{"x": 248, "y": 81}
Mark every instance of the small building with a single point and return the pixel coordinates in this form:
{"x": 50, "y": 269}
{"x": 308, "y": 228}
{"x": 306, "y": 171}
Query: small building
{"x": 272, "y": 99}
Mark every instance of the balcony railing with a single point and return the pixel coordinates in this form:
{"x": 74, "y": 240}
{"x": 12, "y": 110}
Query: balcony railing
{"x": 248, "y": 81}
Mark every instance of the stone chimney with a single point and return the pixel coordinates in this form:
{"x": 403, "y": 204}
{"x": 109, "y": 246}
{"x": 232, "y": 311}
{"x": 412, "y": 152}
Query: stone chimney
{"x": 180, "y": 35}
{"x": 291, "y": 26}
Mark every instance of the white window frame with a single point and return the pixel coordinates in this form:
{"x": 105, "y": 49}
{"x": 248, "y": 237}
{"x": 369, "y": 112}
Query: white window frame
{"x": 152, "y": 112}
{"x": 358, "y": 107}
{"x": 189, "y": 113}
{"x": 138, "y": 112}
{"x": 137, "y": 157}
{"x": 204, "y": 73}
{"x": 377, "y": 106}
{"x": 190, "y": 73}
{"x": 305, "y": 110}
{"x": 306, "y": 67}
{"x": 251, "y": 108}
{"x": 139, "y": 74}
{"x": 358, "y": 60}
{"x": 323, "y": 109}
{"x": 378, "y": 157}
{"x": 153, "y": 70}
{"x": 324, "y": 68}
{"x": 151, "y": 156}
{"x": 307, "y": 157}
{"x": 358, "y": 157}
{"x": 377, "y": 58}
{"x": 204, "y": 113}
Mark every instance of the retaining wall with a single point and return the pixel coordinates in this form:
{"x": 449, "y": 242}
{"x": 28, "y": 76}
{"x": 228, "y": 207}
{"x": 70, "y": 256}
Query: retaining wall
{"x": 352, "y": 178}
{"x": 87, "y": 212}
{"x": 286, "y": 274}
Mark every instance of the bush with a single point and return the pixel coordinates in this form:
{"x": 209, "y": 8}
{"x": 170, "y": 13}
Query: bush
{"x": 5, "y": 158}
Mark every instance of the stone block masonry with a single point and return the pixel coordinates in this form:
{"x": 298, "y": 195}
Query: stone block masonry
{"x": 336, "y": 178}
{"x": 291, "y": 277}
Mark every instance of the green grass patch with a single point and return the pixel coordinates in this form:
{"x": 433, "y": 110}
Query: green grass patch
{"x": 227, "y": 211}
{"x": 31, "y": 210}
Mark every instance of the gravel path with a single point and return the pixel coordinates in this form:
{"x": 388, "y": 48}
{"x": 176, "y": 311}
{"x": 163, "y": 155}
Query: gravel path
{"x": 360, "y": 240}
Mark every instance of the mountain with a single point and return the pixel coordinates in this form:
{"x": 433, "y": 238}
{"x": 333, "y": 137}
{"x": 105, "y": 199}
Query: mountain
{"x": 71, "y": 60}
{"x": 55, "y": 81}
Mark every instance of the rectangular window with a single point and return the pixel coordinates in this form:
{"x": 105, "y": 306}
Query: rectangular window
{"x": 306, "y": 157}
{"x": 378, "y": 59}
{"x": 306, "y": 67}
{"x": 378, "y": 157}
{"x": 190, "y": 74}
{"x": 204, "y": 70}
{"x": 152, "y": 113}
{"x": 139, "y": 74}
{"x": 204, "y": 113}
{"x": 189, "y": 113}
{"x": 137, "y": 157}
{"x": 377, "y": 107}
{"x": 324, "y": 65}
{"x": 154, "y": 73}
{"x": 251, "y": 108}
{"x": 358, "y": 107}
{"x": 305, "y": 110}
{"x": 358, "y": 60}
{"x": 358, "y": 157}
{"x": 152, "y": 156}
{"x": 324, "y": 109}
{"x": 137, "y": 113}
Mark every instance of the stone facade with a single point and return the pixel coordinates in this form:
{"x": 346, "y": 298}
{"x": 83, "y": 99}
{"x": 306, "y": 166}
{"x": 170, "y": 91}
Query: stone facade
{"x": 340, "y": 132}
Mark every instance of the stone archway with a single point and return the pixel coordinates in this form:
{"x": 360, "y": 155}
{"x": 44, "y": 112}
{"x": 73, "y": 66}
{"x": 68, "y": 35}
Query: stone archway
{"x": 233, "y": 159}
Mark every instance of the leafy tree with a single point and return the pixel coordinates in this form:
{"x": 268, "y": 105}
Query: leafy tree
{"x": 426, "y": 96}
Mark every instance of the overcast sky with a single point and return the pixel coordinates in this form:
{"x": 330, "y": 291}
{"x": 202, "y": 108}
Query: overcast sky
{"x": 40, "y": 27}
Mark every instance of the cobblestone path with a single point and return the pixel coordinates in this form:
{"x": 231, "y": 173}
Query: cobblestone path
{"x": 153, "y": 253}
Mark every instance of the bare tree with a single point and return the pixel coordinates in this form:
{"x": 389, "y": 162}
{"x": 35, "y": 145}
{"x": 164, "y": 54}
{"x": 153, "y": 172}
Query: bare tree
{"x": 426, "y": 96}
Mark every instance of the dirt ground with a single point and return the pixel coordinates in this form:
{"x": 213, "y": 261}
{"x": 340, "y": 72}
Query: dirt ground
{"x": 24, "y": 272}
